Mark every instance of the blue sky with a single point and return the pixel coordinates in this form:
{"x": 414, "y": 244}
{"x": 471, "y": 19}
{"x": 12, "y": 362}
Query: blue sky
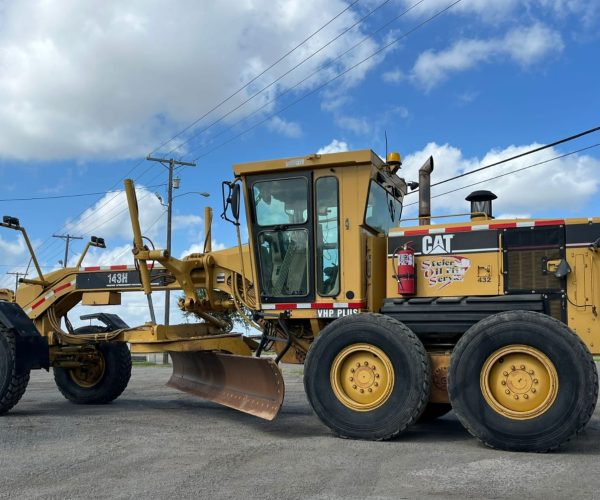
{"x": 89, "y": 88}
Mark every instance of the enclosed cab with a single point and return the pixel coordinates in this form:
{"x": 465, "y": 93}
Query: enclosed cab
{"x": 316, "y": 230}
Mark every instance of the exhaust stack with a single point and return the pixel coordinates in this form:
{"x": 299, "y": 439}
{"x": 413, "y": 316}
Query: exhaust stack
{"x": 425, "y": 192}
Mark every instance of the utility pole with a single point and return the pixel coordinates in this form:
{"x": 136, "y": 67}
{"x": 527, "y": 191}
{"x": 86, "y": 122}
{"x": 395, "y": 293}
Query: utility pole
{"x": 170, "y": 165}
{"x": 67, "y": 238}
{"x": 17, "y": 275}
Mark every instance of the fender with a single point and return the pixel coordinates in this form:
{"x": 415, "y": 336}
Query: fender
{"x": 32, "y": 350}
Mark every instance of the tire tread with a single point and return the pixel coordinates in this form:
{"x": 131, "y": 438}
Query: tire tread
{"x": 388, "y": 323}
{"x": 18, "y": 383}
{"x": 583, "y": 353}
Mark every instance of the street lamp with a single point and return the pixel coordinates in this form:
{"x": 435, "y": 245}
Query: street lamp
{"x": 201, "y": 193}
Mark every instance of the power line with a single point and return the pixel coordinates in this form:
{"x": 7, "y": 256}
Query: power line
{"x": 283, "y": 75}
{"x": 211, "y": 110}
{"x": 64, "y": 227}
{"x": 510, "y": 173}
{"x": 339, "y": 75}
{"x": 319, "y": 69}
{"x": 281, "y": 58}
{"x": 56, "y": 197}
{"x": 110, "y": 215}
{"x": 67, "y": 238}
{"x": 520, "y": 155}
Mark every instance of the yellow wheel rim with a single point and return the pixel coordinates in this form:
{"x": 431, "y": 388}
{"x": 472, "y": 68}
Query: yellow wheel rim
{"x": 89, "y": 375}
{"x": 362, "y": 377}
{"x": 519, "y": 382}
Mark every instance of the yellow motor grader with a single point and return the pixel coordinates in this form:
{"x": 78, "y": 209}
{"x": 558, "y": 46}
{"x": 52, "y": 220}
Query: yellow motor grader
{"x": 394, "y": 320}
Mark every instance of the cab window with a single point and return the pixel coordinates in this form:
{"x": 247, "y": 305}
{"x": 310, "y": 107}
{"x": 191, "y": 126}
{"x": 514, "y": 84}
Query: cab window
{"x": 284, "y": 237}
{"x": 327, "y": 236}
{"x": 383, "y": 209}
{"x": 281, "y": 201}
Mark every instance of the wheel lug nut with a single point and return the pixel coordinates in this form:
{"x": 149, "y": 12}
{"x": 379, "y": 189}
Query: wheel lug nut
{"x": 373, "y": 367}
{"x": 370, "y": 390}
{"x": 530, "y": 372}
{"x": 376, "y": 384}
{"x": 525, "y": 396}
{"x": 354, "y": 387}
{"x": 503, "y": 382}
{"x": 522, "y": 367}
{"x": 513, "y": 368}
{"x": 357, "y": 365}
{"x": 362, "y": 390}
{"x": 366, "y": 363}
{"x": 351, "y": 379}
{"x": 507, "y": 391}
{"x": 351, "y": 370}
{"x": 533, "y": 389}
{"x": 535, "y": 380}
{"x": 377, "y": 375}
{"x": 505, "y": 374}
{"x": 516, "y": 396}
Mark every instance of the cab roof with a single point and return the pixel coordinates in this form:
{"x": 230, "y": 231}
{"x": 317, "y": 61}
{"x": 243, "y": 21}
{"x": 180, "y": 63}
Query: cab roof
{"x": 312, "y": 161}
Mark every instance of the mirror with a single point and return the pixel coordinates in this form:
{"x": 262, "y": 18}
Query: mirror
{"x": 234, "y": 200}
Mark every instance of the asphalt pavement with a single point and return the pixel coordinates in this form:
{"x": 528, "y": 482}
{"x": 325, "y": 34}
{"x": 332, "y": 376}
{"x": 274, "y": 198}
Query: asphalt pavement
{"x": 154, "y": 442}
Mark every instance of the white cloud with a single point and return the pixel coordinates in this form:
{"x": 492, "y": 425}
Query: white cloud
{"x": 284, "y": 127}
{"x": 109, "y": 217}
{"x": 395, "y": 75}
{"x": 133, "y": 309}
{"x": 199, "y": 248}
{"x": 112, "y": 79}
{"x": 15, "y": 256}
{"x": 525, "y": 46}
{"x": 105, "y": 257}
{"x": 513, "y": 216}
{"x": 495, "y": 11}
{"x": 568, "y": 183}
{"x": 334, "y": 146}
{"x": 358, "y": 125}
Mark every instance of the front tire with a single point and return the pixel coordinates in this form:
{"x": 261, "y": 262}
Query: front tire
{"x": 522, "y": 381}
{"x": 367, "y": 377}
{"x": 12, "y": 385}
{"x": 101, "y": 382}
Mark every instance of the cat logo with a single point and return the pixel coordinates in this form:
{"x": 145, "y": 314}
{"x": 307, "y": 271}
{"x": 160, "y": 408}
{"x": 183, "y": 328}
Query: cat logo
{"x": 438, "y": 244}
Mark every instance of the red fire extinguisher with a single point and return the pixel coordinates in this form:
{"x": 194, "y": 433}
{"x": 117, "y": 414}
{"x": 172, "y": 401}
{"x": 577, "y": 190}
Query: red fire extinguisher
{"x": 406, "y": 270}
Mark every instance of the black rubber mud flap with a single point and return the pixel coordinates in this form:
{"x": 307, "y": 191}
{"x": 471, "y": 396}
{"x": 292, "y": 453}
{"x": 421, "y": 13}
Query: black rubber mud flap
{"x": 30, "y": 349}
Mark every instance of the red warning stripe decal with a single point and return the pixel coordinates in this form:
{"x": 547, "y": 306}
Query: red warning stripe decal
{"x": 315, "y": 305}
{"x": 479, "y": 227}
{"x": 121, "y": 267}
{"x": 49, "y": 295}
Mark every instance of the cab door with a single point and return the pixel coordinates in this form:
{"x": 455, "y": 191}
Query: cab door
{"x": 283, "y": 236}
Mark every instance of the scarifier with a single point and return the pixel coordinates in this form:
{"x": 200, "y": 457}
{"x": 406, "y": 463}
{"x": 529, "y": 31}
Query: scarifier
{"x": 395, "y": 320}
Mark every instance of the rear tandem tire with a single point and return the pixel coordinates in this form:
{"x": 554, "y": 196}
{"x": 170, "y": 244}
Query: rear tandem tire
{"x": 112, "y": 380}
{"x": 367, "y": 376}
{"x": 522, "y": 381}
{"x": 12, "y": 386}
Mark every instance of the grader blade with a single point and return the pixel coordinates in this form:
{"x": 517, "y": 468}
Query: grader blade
{"x": 251, "y": 385}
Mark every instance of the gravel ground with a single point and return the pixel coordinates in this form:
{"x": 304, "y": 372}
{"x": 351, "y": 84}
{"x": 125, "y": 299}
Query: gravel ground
{"x": 155, "y": 442}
